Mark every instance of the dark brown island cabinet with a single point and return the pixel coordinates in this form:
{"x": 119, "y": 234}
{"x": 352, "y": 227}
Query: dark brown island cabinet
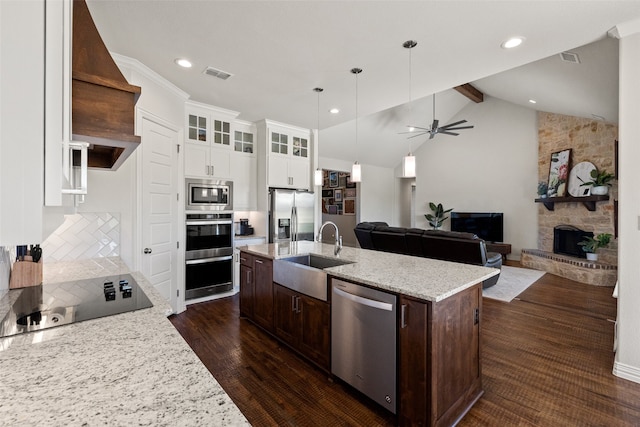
{"x": 439, "y": 376}
{"x": 439, "y": 358}
{"x": 256, "y": 290}
{"x": 303, "y": 323}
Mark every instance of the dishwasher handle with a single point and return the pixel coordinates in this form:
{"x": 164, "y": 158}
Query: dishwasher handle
{"x": 364, "y": 301}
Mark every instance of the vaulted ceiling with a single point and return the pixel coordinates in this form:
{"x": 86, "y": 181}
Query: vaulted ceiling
{"x": 278, "y": 51}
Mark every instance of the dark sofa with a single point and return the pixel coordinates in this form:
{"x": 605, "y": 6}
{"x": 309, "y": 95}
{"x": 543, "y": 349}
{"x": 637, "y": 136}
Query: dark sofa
{"x": 453, "y": 246}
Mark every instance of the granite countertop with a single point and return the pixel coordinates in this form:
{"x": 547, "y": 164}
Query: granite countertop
{"x": 128, "y": 369}
{"x": 423, "y": 278}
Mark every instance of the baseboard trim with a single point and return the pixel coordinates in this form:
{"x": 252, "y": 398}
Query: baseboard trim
{"x": 626, "y": 372}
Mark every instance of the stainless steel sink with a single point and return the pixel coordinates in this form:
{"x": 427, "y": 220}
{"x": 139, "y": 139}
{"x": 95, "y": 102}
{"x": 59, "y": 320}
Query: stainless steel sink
{"x": 316, "y": 261}
{"x": 305, "y": 273}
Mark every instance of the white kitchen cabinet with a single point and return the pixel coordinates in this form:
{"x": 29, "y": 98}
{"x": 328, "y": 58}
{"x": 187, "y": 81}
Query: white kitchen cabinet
{"x": 237, "y": 244}
{"x": 208, "y": 138}
{"x": 22, "y": 61}
{"x": 206, "y": 162}
{"x": 244, "y": 176}
{"x": 288, "y": 156}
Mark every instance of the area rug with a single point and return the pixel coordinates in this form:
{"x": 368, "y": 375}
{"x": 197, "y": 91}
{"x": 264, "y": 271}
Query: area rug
{"x": 512, "y": 282}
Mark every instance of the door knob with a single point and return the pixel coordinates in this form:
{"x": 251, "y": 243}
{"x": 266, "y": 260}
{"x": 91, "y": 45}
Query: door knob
{"x": 147, "y": 250}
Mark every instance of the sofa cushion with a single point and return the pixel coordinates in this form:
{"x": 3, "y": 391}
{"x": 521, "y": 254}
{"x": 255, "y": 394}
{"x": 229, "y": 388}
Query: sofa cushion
{"x": 413, "y": 240}
{"x": 389, "y": 239}
{"x": 363, "y": 233}
{"x": 468, "y": 251}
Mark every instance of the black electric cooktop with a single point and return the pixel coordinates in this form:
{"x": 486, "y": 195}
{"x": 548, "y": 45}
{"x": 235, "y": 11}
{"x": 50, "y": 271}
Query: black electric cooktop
{"x": 55, "y": 304}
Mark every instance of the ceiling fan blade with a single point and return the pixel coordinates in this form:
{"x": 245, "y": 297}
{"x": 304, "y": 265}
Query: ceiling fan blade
{"x": 458, "y": 128}
{"x": 418, "y": 134}
{"x": 449, "y": 133}
{"x": 454, "y": 124}
{"x": 417, "y": 129}
{"x": 432, "y": 135}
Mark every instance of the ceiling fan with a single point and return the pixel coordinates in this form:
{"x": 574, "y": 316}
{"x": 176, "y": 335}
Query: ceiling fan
{"x": 435, "y": 129}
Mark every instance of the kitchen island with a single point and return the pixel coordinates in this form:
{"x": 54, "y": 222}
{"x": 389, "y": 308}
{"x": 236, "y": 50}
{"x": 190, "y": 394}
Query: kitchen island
{"x": 423, "y": 278}
{"x": 439, "y": 312}
{"x": 128, "y": 369}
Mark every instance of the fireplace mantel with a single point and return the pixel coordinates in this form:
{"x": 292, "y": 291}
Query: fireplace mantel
{"x": 588, "y": 201}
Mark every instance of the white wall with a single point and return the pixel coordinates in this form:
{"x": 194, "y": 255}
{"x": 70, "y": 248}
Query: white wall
{"x": 627, "y": 363}
{"x": 490, "y": 168}
{"x": 376, "y": 192}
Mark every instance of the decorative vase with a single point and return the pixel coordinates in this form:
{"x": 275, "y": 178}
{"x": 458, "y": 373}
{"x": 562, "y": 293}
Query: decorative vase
{"x": 592, "y": 256}
{"x": 600, "y": 190}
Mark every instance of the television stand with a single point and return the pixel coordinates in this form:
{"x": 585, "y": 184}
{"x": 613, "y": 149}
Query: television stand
{"x": 502, "y": 248}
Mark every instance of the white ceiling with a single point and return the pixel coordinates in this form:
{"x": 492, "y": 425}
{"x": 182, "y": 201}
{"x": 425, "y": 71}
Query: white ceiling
{"x": 278, "y": 51}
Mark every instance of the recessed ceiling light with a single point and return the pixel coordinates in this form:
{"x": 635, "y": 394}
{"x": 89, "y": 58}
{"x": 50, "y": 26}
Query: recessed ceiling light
{"x": 512, "y": 42}
{"x": 334, "y": 111}
{"x": 532, "y": 101}
{"x": 185, "y": 63}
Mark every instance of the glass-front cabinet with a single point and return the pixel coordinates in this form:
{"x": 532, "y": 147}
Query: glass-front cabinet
{"x": 243, "y": 142}
{"x": 244, "y": 167}
{"x": 197, "y": 126}
{"x": 289, "y": 156}
{"x": 208, "y": 137}
{"x": 300, "y": 147}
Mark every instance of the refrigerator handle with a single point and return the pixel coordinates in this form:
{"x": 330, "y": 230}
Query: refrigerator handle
{"x": 294, "y": 224}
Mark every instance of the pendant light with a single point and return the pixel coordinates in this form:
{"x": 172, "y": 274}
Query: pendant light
{"x": 356, "y": 172}
{"x": 409, "y": 161}
{"x": 317, "y": 176}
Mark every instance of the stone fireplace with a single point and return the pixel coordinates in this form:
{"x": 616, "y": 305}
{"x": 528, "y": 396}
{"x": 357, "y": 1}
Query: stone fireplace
{"x": 589, "y": 140}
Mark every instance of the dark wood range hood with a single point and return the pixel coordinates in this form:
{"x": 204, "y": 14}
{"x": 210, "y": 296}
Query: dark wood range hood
{"x": 102, "y": 101}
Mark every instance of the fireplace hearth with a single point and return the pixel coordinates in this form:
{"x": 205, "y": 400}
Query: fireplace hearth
{"x": 566, "y": 239}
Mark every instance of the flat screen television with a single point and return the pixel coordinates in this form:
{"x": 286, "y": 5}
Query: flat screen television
{"x": 486, "y": 225}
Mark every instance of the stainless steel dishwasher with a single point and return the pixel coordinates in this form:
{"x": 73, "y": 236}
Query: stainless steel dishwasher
{"x": 363, "y": 340}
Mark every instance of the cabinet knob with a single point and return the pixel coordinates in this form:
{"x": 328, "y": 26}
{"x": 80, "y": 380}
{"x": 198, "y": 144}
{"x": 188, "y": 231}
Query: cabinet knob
{"x": 147, "y": 250}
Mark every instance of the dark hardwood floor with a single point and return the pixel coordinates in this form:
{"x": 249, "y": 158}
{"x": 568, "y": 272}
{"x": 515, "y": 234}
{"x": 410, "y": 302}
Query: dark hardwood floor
{"x": 547, "y": 361}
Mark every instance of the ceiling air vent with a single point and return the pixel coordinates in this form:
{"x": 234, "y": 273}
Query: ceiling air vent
{"x": 217, "y": 73}
{"x": 570, "y": 57}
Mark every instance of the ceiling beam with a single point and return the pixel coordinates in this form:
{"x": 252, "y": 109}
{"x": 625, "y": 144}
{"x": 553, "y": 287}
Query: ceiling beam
{"x": 470, "y": 92}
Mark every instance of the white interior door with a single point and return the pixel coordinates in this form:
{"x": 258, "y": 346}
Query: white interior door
{"x": 160, "y": 208}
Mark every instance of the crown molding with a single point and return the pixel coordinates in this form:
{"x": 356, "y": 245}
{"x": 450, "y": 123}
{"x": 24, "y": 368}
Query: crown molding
{"x": 133, "y": 64}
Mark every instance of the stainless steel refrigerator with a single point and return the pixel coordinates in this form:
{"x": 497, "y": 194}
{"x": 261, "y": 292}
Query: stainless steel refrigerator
{"x": 291, "y": 215}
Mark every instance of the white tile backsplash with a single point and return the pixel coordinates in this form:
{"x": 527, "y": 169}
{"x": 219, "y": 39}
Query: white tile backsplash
{"x": 83, "y": 236}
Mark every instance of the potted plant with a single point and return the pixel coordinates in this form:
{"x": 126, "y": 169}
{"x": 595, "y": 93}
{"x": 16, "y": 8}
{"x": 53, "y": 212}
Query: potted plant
{"x": 542, "y": 189}
{"x": 601, "y": 181}
{"x": 438, "y": 217}
{"x": 591, "y": 244}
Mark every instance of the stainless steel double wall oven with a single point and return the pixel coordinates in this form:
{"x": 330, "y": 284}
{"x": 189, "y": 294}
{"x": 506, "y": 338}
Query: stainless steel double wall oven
{"x": 209, "y": 237}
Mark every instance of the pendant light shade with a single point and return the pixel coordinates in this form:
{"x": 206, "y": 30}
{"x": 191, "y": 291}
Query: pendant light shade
{"x": 409, "y": 161}
{"x": 317, "y": 175}
{"x": 318, "y": 178}
{"x": 409, "y": 166}
{"x": 356, "y": 174}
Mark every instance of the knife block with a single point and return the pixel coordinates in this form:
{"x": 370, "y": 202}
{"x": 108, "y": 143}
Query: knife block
{"x": 25, "y": 273}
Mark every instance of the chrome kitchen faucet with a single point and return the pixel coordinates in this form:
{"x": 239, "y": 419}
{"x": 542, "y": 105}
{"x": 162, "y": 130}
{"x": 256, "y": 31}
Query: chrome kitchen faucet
{"x": 338, "y": 246}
